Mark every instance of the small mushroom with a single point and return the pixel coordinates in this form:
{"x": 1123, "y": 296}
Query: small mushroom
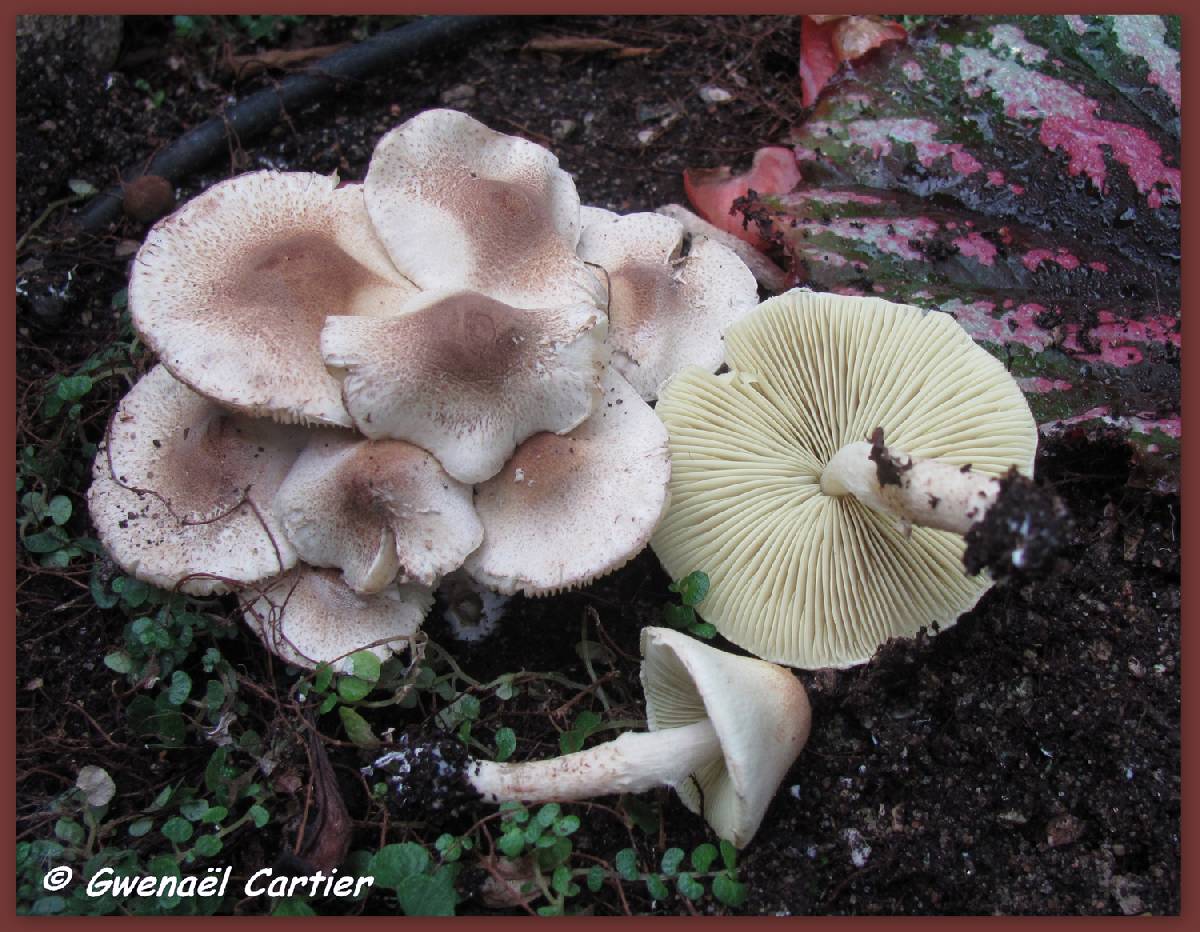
{"x": 671, "y": 297}
{"x": 468, "y": 377}
{"x": 802, "y": 573}
{"x": 461, "y": 206}
{"x": 568, "y": 509}
{"x": 181, "y": 489}
{"x": 724, "y": 729}
{"x": 472, "y": 611}
{"x": 381, "y": 510}
{"x": 310, "y": 616}
{"x": 231, "y": 290}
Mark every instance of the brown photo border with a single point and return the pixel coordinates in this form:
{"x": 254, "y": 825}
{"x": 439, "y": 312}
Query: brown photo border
{"x": 1190, "y": 504}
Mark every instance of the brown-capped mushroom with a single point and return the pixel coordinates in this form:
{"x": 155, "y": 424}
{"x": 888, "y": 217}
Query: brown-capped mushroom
{"x": 468, "y": 377}
{"x": 461, "y": 206}
{"x": 568, "y": 509}
{"x": 181, "y": 489}
{"x": 380, "y": 510}
{"x": 232, "y": 290}
{"x": 667, "y": 308}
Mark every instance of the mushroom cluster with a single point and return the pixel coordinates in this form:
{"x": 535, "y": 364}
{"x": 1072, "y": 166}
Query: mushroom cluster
{"x": 364, "y": 387}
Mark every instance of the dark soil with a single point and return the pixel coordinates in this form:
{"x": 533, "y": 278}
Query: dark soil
{"x": 1026, "y": 760}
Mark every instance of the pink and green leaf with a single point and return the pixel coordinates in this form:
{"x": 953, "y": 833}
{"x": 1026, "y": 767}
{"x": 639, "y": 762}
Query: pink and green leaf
{"x": 1022, "y": 174}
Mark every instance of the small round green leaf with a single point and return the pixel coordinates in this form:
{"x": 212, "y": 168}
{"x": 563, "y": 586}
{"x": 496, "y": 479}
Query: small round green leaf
{"x": 365, "y": 665}
{"x": 506, "y": 743}
{"x": 177, "y": 829}
{"x": 729, "y": 891}
{"x": 671, "y": 860}
{"x": 208, "y": 846}
{"x": 703, "y": 857}
{"x": 626, "y": 864}
{"x": 352, "y": 688}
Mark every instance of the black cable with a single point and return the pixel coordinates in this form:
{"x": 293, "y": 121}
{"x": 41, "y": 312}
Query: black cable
{"x": 262, "y": 110}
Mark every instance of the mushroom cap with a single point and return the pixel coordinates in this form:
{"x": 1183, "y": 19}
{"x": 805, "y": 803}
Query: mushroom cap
{"x": 666, "y": 310}
{"x": 310, "y": 616}
{"x": 590, "y": 216}
{"x": 799, "y": 577}
{"x": 378, "y": 509}
{"x": 181, "y": 489}
{"x": 468, "y": 377}
{"x": 461, "y": 206}
{"x": 767, "y": 273}
{"x": 231, "y": 290}
{"x": 568, "y": 509}
{"x": 759, "y": 711}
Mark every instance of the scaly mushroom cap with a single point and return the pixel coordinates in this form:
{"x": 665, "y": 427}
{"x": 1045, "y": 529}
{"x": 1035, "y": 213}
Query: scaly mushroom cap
{"x": 376, "y": 509}
{"x": 310, "y": 616}
{"x": 759, "y": 711}
{"x": 666, "y": 310}
{"x": 232, "y": 290}
{"x": 460, "y": 206}
{"x": 181, "y": 489}
{"x": 568, "y": 509}
{"x": 799, "y": 577}
{"x": 468, "y": 377}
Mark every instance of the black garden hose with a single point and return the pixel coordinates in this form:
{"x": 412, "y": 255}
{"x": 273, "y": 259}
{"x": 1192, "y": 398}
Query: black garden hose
{"x": 262, "y": 110}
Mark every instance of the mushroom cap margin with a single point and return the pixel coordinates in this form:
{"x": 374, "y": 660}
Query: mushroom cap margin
{"x": 310, "y": 616}
{"x": 181, "y": 489}
{"x": 760, "y": 712}
{"x": 232, "y": 289}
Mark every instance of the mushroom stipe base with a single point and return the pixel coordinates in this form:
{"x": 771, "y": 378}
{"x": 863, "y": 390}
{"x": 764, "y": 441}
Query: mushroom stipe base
{"x": 1023, "y": 532}
{"x": 426, "y": 774}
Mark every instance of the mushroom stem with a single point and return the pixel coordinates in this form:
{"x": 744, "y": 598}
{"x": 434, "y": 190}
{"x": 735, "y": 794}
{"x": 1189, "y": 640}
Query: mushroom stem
{"x": 631, "y": 763}
{"x": 924, "y": 492}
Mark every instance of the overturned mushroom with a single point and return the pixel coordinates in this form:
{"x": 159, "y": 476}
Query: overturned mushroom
{"x": 181, "y": 489}
{"x": 802, "y": 572}
{"x": 232, "y": 290}
{"x": 724, "y": 730}
{"x": 310, "y": 616}
{"x": 468, "y": 377}
{"x": 380, "y": 510}
{"x": 671, "y": 297}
